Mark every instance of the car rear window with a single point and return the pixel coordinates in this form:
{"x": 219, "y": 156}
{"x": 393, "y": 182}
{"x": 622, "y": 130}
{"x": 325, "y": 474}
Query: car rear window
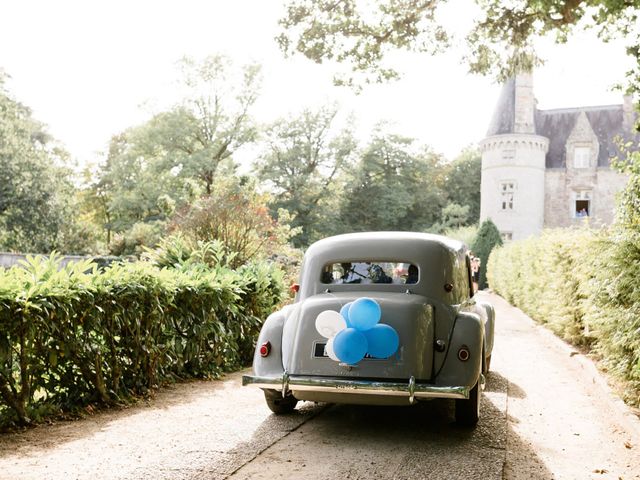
{"x": 369, "y": 271}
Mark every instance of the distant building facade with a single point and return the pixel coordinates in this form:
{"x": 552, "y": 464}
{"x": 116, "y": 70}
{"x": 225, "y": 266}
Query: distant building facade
{"x": 550, "y": 168}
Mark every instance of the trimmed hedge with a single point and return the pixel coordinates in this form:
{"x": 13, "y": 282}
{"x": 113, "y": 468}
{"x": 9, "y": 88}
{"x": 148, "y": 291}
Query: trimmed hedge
{"x": 585, "y": 285}
{"x": 76, "y": 335}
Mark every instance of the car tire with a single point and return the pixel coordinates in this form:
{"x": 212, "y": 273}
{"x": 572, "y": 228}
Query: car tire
{"x": 279, "y": 405}
{"x": 468, "y": 411}
{"x": 487, "y": 364}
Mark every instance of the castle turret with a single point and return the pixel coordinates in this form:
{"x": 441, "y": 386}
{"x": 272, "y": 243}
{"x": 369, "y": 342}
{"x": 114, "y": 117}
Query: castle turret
{"x": 513, "y": 163}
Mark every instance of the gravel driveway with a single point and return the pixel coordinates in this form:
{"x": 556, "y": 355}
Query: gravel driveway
{"x": 547, "y": 414}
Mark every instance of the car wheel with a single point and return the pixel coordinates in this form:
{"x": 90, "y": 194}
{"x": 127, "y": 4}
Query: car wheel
{"x": 487, "y": 364}
{"x": 468, "y": 411}
{"x": 280, "y": 405}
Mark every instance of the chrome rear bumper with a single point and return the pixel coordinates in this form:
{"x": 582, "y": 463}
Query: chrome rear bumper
{"x": 410, "y": 389}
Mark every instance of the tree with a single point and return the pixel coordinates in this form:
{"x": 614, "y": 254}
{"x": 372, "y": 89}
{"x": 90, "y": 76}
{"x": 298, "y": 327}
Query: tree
{"x": 487, "y": 238}
{"x": 214, "y": 120}
{"x": 129, "y": 193}
{"x": 165, "y": 163}
{"x": 362, "y": 34}
{"x": 301, "y": 163}
{"x": 454, "y": 216}
{"x": 349, "y": 32}
{"x": 392, "y": 188}
{"x": 461, "y": 181}
{"x": 36, "y": 194}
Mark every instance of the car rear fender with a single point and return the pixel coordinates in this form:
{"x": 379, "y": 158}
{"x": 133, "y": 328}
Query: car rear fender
{"x": 467, "y": 332}
{"x": 489, "y": 326}
{"x": 271, "y": 332}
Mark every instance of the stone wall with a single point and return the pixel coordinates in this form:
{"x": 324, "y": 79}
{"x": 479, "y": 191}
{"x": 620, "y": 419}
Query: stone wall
{"x": 609, "y": 183}
{"x": 8, "y": 260}
{"x": 560, "y": 194}
{"x": 557, "y": 204}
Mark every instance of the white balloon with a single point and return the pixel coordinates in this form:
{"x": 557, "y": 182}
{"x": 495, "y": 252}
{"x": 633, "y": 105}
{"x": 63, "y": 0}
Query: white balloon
{"x": 329, "y": 350}
{"x": 330, "y": 322}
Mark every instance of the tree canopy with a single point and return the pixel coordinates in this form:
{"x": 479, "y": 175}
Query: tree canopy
{"x": 36, "y": 193}
{"x": 303, "y": 158}
{"x": 166, "y": 163}
{"x": 394, "y": 186}
{"x": 462, "y": 180}
{"x": 363, "y": 34}
{"x": 161, "y": 175}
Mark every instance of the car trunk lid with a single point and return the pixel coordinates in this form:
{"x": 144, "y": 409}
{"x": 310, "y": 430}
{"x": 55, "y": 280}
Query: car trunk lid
{"x": 412, "y": 316}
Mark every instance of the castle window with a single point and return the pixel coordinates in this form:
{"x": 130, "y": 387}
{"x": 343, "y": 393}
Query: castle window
{"x": 508, "y": 154}
{"x": 582, "y": 204}
{"x": 582, "y": 157}
{"x": 507, "y": 190}
{"x": 506, "y": 236}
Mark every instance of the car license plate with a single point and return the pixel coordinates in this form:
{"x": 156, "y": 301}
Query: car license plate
{"x": 319, "y": 351}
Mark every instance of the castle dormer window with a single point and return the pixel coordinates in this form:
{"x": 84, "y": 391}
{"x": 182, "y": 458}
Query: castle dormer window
{"x": 582, "y": 157}
{"x": 507, "y": 191}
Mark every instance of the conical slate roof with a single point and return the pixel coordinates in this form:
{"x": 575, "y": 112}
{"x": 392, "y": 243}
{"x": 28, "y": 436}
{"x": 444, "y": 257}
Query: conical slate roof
{"x": 504, "y": 115}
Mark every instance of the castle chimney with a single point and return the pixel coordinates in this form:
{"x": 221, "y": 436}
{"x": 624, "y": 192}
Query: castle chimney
{"x": 524, "y": 121}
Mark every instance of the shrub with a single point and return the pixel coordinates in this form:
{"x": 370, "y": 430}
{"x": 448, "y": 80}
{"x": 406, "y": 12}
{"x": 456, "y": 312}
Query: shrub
{"x": 73, "y": 335}
{"x": 548, "y": 278}
{"x": 614, "y": 313}
{"x": 238, "y": 216}
{"x": 584, "y": 285}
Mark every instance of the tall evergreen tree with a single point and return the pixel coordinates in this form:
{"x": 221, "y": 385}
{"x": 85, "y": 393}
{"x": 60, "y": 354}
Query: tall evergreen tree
{"x": 487, "y": 239}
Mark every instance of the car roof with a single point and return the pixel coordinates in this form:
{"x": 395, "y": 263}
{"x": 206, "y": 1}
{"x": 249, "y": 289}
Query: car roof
{"x": 370, "y": 242}
{"x": 435, "y": 254}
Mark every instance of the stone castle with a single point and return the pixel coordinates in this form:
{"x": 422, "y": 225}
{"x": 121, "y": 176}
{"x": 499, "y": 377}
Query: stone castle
{"x": 550, "y": 168}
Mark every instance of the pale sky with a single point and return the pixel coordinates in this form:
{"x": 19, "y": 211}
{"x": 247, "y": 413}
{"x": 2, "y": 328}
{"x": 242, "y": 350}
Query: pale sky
{"x": 91, "y": 69}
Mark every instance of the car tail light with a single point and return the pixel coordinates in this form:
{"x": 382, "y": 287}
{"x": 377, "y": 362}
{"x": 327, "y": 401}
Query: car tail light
{"x": 463, "y": 353}
{"x": 265, "y": 349}
{"x": 295, "y": 288}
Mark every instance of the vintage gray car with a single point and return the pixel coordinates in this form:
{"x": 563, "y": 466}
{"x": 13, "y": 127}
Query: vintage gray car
{"x": 410, "y": 296}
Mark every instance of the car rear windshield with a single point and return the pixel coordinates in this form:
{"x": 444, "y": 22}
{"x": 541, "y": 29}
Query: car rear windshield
{"x": 368, "y": 271}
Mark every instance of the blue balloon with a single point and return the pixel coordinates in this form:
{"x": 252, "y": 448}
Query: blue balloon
{"x": 364, "y": 314}
{"x": 350, "y": 345}
{"x": 383, "y": 341}
{"x": 344, "y": 311}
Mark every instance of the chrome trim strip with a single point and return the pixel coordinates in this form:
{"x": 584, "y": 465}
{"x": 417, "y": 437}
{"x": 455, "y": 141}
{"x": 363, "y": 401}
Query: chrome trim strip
{"x": 363, "y": 387}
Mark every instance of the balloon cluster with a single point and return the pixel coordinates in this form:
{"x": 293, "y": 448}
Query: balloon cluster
{"x": 355, "y": 331}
